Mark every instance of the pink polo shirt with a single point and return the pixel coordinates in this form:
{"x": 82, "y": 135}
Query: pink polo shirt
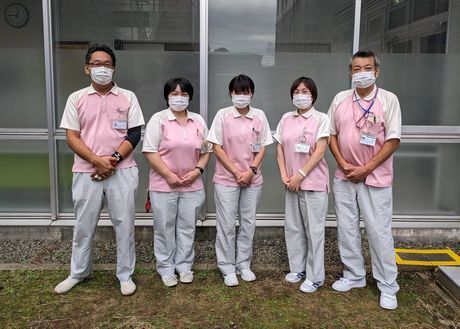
{"x": 178, "y": 146}
{"x": 236, "y": 134}
{"x": 307, "y": 129}
{"x": 103, "y": 122}
{"x": 384, "y": 124}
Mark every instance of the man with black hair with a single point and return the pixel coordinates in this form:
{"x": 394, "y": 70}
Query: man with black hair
{"x": 365, "y": 132}
{"x": 103, "y": 126}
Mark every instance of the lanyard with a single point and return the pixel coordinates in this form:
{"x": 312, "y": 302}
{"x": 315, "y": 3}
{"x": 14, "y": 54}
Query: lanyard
{"x": 367, "y": 111}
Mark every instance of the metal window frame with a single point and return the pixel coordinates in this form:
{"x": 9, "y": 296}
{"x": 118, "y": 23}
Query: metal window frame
{"x": 411, "y": 134}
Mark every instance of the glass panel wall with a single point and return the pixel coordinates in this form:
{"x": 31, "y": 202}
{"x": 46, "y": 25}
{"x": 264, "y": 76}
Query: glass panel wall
{"x": 275, "y": 42}
{"x": 24, "y": 176}
{"x": 22, "y": 82}
{"x": 419, "y": 43}
{"x": 426, "y": 180}
{"x": 153, "y": 42}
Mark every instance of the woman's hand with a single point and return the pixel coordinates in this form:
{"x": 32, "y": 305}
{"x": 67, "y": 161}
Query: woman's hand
{"x": 173, "y": 180}
{"x": 294, "y": 183}
{"x": 190, "y": 177}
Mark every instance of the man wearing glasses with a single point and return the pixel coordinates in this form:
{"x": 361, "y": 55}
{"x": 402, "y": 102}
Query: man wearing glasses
{"x": 365, "y": 132}
{"x": 103, "y": 126}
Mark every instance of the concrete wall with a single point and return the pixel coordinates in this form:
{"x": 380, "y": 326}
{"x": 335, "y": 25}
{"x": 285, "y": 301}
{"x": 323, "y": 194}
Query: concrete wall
{"x": 426, "y": 236}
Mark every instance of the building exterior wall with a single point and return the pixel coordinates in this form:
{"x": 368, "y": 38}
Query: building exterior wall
{"x": 274, "y": 42}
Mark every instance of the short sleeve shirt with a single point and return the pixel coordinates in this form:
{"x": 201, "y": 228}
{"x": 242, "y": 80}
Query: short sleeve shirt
{"x": 295, "y": 130}
{"x": 236, "y": 134}
{"x": 179, "y": 147}
{"x": 103, "y": 122}
{"x": 349, "y": 123}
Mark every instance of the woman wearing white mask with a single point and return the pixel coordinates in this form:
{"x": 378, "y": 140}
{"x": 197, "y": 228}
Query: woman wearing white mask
{"x": 177, "y": 151}
{"x": 239, "y": 134}
{"x": 302, "y": 137}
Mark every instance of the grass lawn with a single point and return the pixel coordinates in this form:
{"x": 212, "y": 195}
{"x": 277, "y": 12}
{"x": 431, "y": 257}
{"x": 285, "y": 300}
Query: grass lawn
{"x": 27, "y": 301}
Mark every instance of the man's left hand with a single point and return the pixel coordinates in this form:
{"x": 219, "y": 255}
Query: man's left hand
{"x": 358, "y": 174}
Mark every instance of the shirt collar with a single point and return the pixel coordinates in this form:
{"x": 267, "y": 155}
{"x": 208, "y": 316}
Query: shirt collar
{"x": 368, "y": 97}
{"x": 307, "y": 114}
{"x": 249, "y": 115}
{"x": 114, "y": 90}
{"x": 172, "y": 117}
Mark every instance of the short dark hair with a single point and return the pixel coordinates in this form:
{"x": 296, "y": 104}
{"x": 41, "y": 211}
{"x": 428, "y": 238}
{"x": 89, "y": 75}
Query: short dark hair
{"x": 171, "y": 85}
{"x": 241, "y": 83}
{"x": 100, "y": 47}
{"x": 366, "y": 54}
{"x": 309, "y": 83}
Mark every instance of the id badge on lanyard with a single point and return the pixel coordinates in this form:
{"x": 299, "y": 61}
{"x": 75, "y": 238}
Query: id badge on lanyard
{"x": 202, "y": 145}
{"x": 120, "y": 119}
{"x": 367, "y": 138}
{"x": 255, "y": 145}
{"x": 302, "y": 146}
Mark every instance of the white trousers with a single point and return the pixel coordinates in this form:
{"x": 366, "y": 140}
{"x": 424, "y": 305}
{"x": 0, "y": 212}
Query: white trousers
{"x": 231, "y": 201}
{"x": 119, "y": 191}
{"x": 305, "y": 219}
{"x": 174, "y": 222}
{"x": 375, "y": 205}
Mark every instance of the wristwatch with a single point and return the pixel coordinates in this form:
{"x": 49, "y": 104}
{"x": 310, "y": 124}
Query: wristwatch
{"x": 254, "y": 169}
{"x": 117, "y": 156}
{"x": 200, "y": 169}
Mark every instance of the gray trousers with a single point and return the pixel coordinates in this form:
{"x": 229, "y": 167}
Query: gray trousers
{"x": 305, "y": 219}
{"x": 174, "y": 221}
{"x": 231, "y": 201}
{"x": 119, "y": 191}
{"x": 375, "y": 205}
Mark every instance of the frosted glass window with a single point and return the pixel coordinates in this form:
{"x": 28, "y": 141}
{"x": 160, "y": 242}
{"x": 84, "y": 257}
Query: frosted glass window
{"x": 153, "y": 41}
{"x": 419, "y": 58}
{"x": 426, "y": 180}
{"x": 275, "y": 42}
{"x": 24, "y": 176}
{"x": 22, "y": 68}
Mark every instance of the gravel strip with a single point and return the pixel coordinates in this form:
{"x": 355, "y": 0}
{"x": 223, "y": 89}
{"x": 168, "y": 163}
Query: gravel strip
{"x": 270, "y": 252}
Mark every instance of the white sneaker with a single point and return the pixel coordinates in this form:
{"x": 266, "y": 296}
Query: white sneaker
{"x": 66, "y": 285}
{"x": 231, "y": 280}
{"x": 294, "y": 277}
{"x": 247, "y": 275}
{"x": 308, "y": 286}
{"x": 169, "y": 280}
{"x": 186, "y": 277}
{"x": 127, "y": 288}
{"x": 388, "y": 302}
{"x": 344, "y": 284}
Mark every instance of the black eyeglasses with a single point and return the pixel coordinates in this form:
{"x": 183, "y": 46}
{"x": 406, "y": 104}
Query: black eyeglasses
{"x": 99, "y": 64}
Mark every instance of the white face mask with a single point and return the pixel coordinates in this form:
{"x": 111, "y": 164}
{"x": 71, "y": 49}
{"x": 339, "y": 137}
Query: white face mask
{"x": 302, "y": 101}
{"x": 178, "y": 103}
{"x": 241, "y": 101}
{"x": 101, "y": 75}
{"x": 363, "y": 79}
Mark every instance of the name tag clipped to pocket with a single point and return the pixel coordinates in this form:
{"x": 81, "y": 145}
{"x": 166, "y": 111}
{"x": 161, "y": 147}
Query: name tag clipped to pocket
{"x": 367, "y": 139}
{"x": 255, "y": 148}
{"x": 302, "y": 148}
{"x": 120, "y": 124}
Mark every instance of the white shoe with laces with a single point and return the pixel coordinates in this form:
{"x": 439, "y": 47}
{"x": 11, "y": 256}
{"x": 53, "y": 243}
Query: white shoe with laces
{"x": 388, "y": 302}
{"x": 231, "y": 280}
{"x": 308, "y": 286}
{"x": 169, "y": 280}
{"x": 247, "y": 275}
{"x": 127, "y": 288}
{"x": 186, "y": 277}
{"x": 294, "y": 277}
{"x": 343, "y": 284}
{"x": 66, "y": 285}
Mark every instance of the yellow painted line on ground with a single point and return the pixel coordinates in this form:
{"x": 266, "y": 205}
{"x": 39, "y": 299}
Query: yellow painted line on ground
{"x": 454, "y": 262}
